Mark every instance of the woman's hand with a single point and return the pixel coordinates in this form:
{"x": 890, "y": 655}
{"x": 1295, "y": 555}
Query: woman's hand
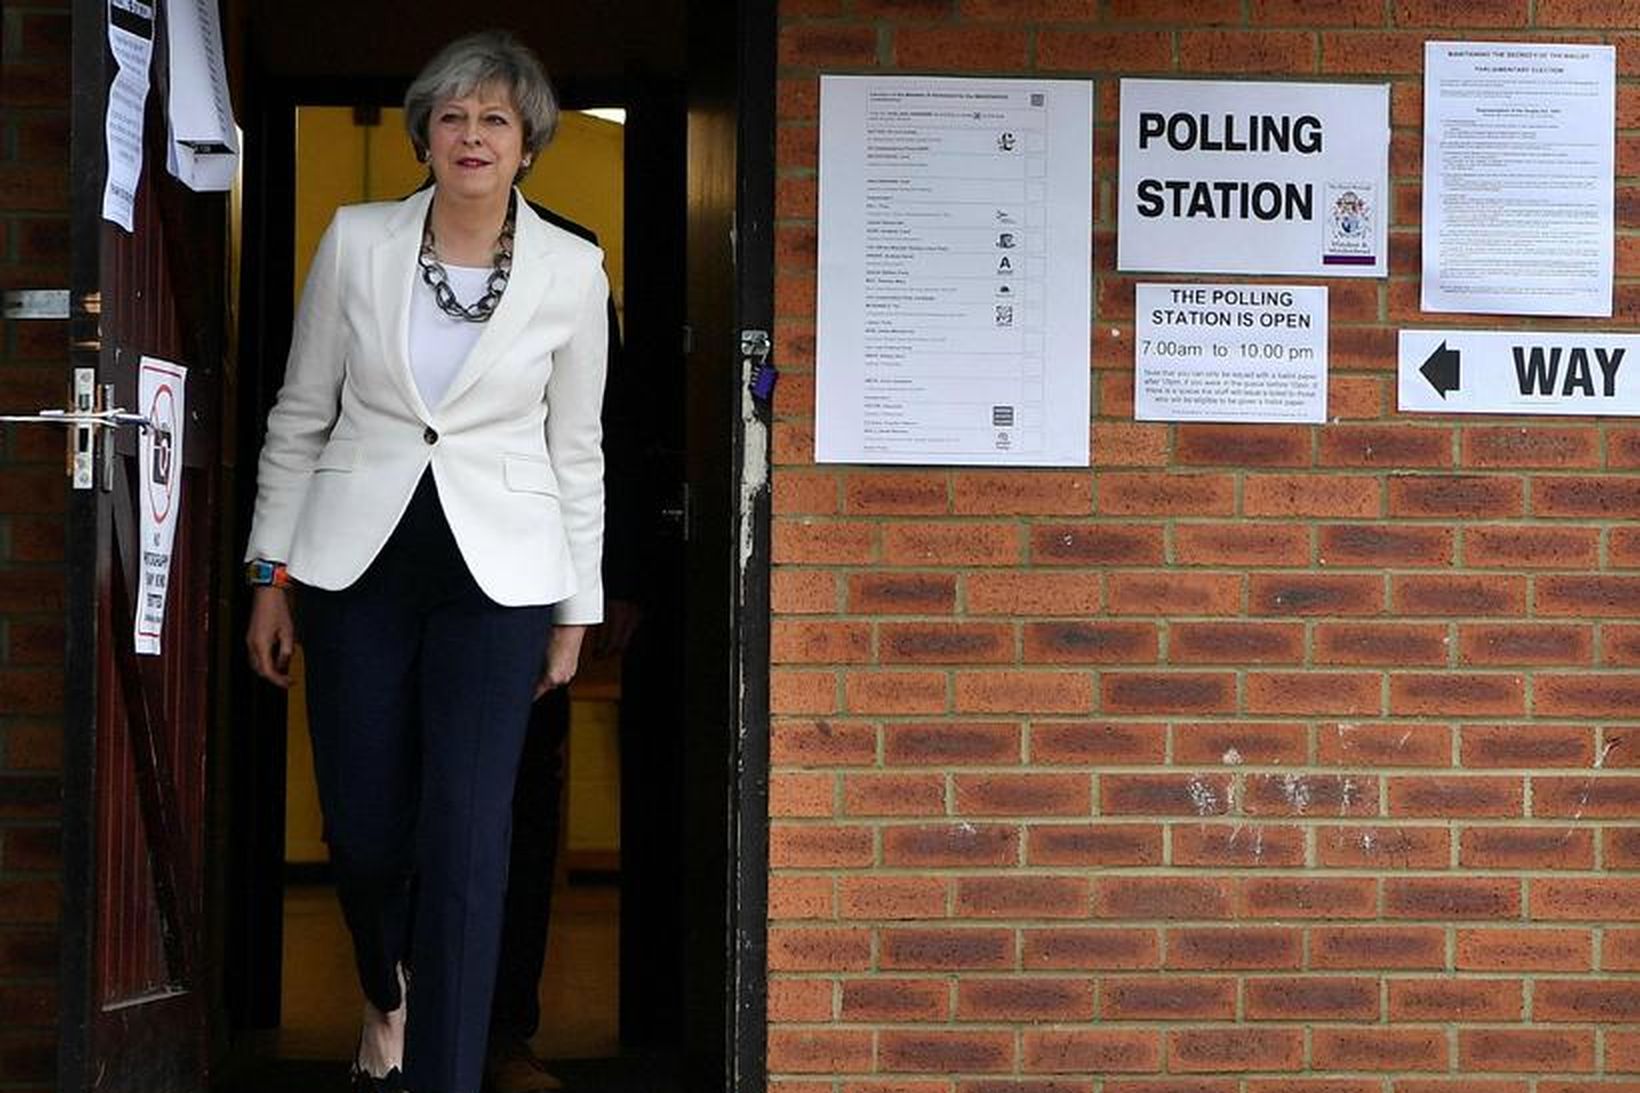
{"x": 563, "y": 656}
{"x": 271, "y": 637}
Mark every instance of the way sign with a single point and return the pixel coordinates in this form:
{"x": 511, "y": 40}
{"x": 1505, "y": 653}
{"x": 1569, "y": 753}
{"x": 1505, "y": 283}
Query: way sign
{"x": 1519, "y": 372}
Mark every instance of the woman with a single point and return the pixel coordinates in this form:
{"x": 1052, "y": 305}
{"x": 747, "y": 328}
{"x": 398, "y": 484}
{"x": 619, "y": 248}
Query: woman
{"x": 431, "y": 487}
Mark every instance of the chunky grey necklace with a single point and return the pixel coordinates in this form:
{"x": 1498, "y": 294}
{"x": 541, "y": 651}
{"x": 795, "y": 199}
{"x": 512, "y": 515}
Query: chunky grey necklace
{"x": 438, "y": 278}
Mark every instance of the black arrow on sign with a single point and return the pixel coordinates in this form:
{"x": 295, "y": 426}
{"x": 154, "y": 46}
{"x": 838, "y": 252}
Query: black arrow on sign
{"x": 1441, "y": 370}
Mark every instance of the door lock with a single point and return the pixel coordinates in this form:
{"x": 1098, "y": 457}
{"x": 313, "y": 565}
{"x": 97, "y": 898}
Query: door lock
{"x": 93, "y": 411}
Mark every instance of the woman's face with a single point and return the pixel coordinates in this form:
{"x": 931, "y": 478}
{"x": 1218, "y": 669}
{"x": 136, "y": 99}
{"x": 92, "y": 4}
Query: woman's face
{"x": 475, "y": 144}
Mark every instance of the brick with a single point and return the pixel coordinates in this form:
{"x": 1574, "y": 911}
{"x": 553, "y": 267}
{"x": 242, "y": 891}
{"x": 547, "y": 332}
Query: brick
{"x": 1237, "y": 845}
{"x": 1242, "y": 445}
{"x": 1324, "y": 496}
{"x": 794, "y": 1000}
{"x": 28, "y": 952}
{"x": 1104, "y": 51}
{"x": 1161, "y": 898}
{"x": 31, "y": 690}
{"x": 1619, "y": 950}
{"x": 1378, "y": 53}
{"x": 1390, "y": 744}
{"x": 1464, "y": 795}
{"x": 802, "y": 592}
{"x": 1458, "y": 694}
{"x": 1107, "y": 845}
{"x": 1097, "y": 743}
{"x": 1241, "y": 544}
{"x": 1463, "y": 497}
{"x": 894, "y": 1000}
{"x": 1176, "y": 794}
{"x": 799, "y": 897}
{"x": 1525, "y": 645}
{"x": 1621, "y": 847}
{"x": 819, "y": 642}
{"x": 822, "y": 45}
{"x": 963, "y": 844}
{"x": 1003, "y": 1085}
{"x": 1096, "y": 544}
{"x": 1229, "y": 948}
{"x": 1022, "y": 897}
{"x": 1449, "y": 1000}
{"x": 951, "y": 743}
{"x": 1392, "y": 446}
{"x": 1383, "y": 848}
{"x": 965, "y": 48}
{"x": 819, "y": 846}
{"x": 1312, "y": 692}
{"x": 1130, "y": 443}
{"x": 1379, "y": 1049}
{"x": 895, "y": 692}
{"x": 1502, "y": 546}
{"x": 1310, "y": 795}
{"x": 794, "y": 692}
{"x": 1513, "y": 446}
{"x": 1167, "y": 998}
{"x": 1509, "y": 950}
{"x": 1170, "y": 693}
{"x": 1375, "y": 947}
{"x": 1090, "y": 643}
{"x": 1533, "y": 745}
{"x": 1026, "y": 999}
{"x": 816, "y": 949}
{"x": 822, "y": 542}
{"x": 944, "y": 643}
{"x": 1235, "y": 1049}
{"x": 1085, "y": 949}
{"x": 1127, "y": 493}
{"x": 1587, "y": 595}
{"x": 946, "y": 949}
{"x": 893, "y": 795}
{"x": 1601, "y": 497}
{"x": 901, "y": 593}
{"x": 1318, "y": 1085}
{"x": 1378, "y": 545}
{"x": 1036, "y": 692}
{"x": 1312, "y": 998}
{"x": 821, "y": 743}
{"x": 1308, "y": 897}
{"x": 1534, "y": 1050}
{"x": 1240, "y": 742}
{"x": 1449, "y": 595}
{"x": 1462, "y": 13}
{"x": 1235, "y": 643}
{"x": 1069, "y": 11}
{"x": 1585, "y": 696}
{"x": 1622, "y": 1051}
{"x": 1605, "y": 796}
{"x": 1314, "y": 594}
{"x": 32, "y": 189}
{"x": 1031, "y": 794}
{"x": 950, "y": 544}
{"x": 801, "y": 795}
{"x": 1585, "y": 1001}
{"x": 1024, "y": 493}
{"x": 1174, "y": 593}
{"x": 1032, "y": 593}
{"x": 1357, "y": 13}
{"x": 819, "y": 1051}
{"x": 1380, "y": 643}
{"x": 1446, "y": 898}
{"x": 895, "y": 494}
{"x": 1096, "y": 1050}
{"x": 891, "y": 897}
{"x": 1584, "y": 900}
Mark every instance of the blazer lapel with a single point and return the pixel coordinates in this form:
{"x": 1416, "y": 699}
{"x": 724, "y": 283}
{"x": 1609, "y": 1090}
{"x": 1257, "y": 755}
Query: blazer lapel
{"x": 532, "y": 277}
{"x": 393, "y": 273}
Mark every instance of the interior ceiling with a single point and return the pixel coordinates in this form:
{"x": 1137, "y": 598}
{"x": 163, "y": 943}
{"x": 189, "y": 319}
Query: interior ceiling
{"x": 578, "y": 41}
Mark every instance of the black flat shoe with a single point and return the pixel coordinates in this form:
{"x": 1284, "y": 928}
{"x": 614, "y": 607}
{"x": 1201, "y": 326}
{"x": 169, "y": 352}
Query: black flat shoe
{"x": 360, "y": 1080}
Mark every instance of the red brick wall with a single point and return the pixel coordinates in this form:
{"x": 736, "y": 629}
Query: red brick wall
{"x": 33, "y": 373}
{"x": 1253, "y": 760}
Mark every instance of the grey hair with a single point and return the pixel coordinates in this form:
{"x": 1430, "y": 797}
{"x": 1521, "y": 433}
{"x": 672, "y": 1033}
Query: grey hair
{"x": 489, "y": 57}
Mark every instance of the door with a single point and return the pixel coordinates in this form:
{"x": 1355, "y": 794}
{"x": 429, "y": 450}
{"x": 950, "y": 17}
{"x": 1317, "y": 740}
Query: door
{"x": 132, "y": 1000}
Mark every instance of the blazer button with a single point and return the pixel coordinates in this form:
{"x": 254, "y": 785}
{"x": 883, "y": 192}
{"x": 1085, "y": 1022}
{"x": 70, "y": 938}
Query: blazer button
{"x": 430, "y": 435}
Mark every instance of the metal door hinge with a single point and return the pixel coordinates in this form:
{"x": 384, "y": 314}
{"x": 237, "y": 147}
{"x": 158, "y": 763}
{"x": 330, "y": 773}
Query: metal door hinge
{"x": 37, "y": 303}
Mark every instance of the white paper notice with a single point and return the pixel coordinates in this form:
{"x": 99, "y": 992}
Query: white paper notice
{"x": 160, "y": 396}
{"x": 131, "y": 40}
{"x": 1518, "y": 163}
{"x": 1230, "y": 353}
{"x": 204, "y": 147}
{"x": 1234, "y": 176}
{"x": 955, "y": 287}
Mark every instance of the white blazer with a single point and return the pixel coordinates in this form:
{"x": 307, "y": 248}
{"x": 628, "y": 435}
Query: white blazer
{"x": 515, "y": 446}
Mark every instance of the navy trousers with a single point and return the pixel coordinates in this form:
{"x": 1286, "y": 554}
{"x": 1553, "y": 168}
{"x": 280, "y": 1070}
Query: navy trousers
{"x": 418, "y": 692}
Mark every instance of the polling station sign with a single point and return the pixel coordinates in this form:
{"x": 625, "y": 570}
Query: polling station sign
{"x": 1222, "y": 176}
{"x": 1570, "y": 372}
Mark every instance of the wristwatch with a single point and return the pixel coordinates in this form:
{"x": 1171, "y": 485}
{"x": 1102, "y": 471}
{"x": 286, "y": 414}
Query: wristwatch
{"x": 261, "y": 572}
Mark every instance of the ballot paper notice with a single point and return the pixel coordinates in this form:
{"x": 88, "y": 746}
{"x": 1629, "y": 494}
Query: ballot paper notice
{"x": 1518, "y": 162}
{"x": 161, "y": 390}
{"x": 203, "y": 151}
{"x": 955, "y": 244}
{"x": 131, "y": 40}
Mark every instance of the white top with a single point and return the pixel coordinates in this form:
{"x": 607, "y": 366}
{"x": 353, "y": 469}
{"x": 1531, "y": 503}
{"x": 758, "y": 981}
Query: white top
{"x": 439, "y": 343}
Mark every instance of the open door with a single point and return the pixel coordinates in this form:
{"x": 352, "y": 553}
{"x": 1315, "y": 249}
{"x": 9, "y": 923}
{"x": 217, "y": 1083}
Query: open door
{"x": 133, "y": 999}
